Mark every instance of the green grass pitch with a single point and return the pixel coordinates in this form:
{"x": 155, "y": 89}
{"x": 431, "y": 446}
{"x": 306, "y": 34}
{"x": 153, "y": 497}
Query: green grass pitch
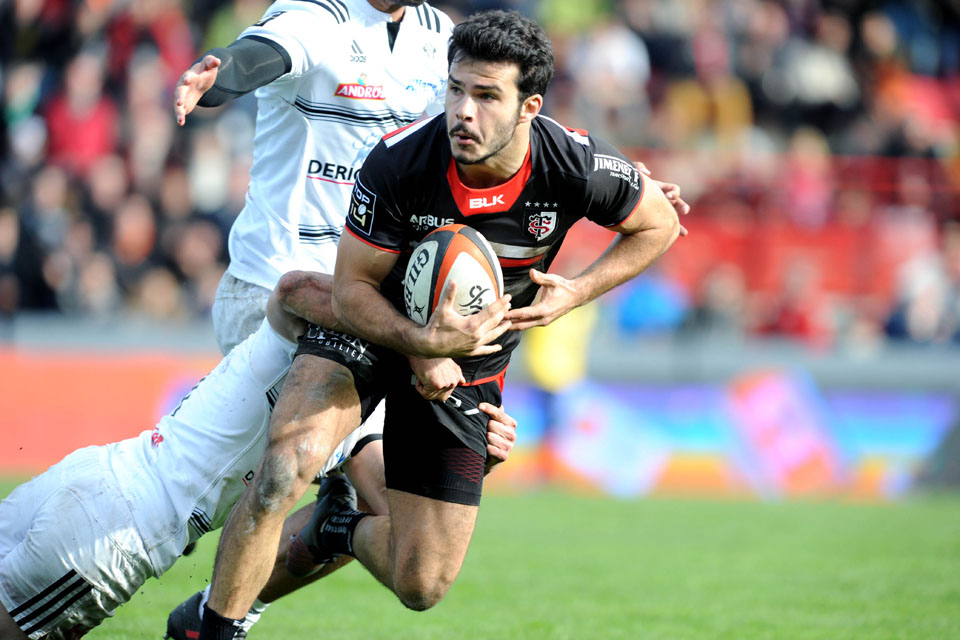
{"x": 551, "y": 566}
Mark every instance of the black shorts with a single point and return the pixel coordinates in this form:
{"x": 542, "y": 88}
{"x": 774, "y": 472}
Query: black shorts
{"x": 432, "y": 449}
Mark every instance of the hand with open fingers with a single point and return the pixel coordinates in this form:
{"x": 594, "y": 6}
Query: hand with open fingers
{"x": 436, "y": 377}
{"x": 194, "y": 82}
{"x": 452, "y": 335}
{"x": 671, "y": 190}
{"x": 501, "y": 434}
{"x": 557, "y": 296}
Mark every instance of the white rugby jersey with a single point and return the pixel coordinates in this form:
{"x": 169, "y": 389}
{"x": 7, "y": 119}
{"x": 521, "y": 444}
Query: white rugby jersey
{"x": 182, "y": 478}
{"x": 317, "y": 123}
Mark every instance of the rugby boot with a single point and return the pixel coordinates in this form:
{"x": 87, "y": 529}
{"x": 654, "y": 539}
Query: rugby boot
{"x": 183, "y": 623}
{"x": 306, "y": 554}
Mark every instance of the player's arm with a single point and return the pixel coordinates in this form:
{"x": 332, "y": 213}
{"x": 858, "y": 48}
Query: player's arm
{"x": 645, "y": 235}
{"x": 362, "y": 309}
{"x": 224, "y": 73}
{"x": 299, "y": 296}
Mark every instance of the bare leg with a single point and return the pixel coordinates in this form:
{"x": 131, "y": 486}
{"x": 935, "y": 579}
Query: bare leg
{"x": 417, "y": 551}
{"x": 317, "y": 408}
{"x": 8, "y": 628}
{"x": 365, "y": 471}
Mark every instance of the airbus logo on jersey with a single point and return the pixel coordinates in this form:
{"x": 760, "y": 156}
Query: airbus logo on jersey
{"x": 483, "y": 203}
{"x": 360, "y": 90}
{"x": 429, "y": 222}
{"x": 618, "y": 168}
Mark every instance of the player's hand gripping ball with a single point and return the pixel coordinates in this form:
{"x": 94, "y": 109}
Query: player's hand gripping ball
{"x": 454, "y": 253}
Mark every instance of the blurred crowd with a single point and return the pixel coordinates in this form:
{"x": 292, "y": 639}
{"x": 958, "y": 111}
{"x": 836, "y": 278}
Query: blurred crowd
{"x": 786, "y": 118}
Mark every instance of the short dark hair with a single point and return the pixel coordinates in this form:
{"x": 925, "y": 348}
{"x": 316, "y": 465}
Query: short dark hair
{"x": 506, "y": 36}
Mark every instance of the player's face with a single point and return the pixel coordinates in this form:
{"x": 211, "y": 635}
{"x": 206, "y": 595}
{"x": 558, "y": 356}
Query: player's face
{"x": 482, "y": 109}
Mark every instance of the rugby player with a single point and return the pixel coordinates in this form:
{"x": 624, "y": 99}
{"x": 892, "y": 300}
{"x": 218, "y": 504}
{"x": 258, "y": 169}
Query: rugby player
{"x": 331, "y": 78}
{"x": 80, "y": 539}
{"x": 521, "y": 179}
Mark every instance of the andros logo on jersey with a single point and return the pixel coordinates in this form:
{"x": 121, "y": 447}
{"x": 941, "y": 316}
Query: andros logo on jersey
{"x": 452, "y": 253}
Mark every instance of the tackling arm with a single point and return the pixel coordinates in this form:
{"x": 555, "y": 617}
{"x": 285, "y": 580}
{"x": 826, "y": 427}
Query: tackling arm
{"x": 299, "y": 296}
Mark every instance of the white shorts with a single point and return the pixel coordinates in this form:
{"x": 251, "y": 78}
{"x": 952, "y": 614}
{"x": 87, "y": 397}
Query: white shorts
{"x": 238, "y": 311}
{"x": 69, "y": 551}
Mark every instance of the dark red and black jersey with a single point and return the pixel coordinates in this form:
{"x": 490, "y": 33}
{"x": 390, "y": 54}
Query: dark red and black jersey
{"x": 408, "y": 186}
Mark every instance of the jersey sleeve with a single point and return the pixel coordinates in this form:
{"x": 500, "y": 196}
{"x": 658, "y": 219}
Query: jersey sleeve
{"x": 614, "y": 185}
{"x": 298, "y": 28}
{"x": 373, "y": 215}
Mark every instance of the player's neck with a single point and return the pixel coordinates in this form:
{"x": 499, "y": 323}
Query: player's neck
{"x": 389, "y": 6}
{"x": 497, "y": 169}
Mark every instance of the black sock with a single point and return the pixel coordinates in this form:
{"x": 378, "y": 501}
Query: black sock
{"x": 337, "y": 532}
{"x": 215, "y": 627}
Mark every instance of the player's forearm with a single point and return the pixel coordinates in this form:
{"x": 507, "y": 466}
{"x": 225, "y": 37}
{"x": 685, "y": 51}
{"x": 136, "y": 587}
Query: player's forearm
{"x": 247, "y": 64}
{"x": 308, "y": 295}
{"x": 625, "y": 258}
{"x": 361, "y": 310}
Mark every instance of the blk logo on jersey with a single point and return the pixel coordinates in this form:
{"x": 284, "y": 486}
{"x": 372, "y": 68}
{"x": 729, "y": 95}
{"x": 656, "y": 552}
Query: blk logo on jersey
{"x": 360, "y": 90}
{"x": 483, "y": 203}
{"x": 537, "y": 222}
{"x": 362, "y": 205}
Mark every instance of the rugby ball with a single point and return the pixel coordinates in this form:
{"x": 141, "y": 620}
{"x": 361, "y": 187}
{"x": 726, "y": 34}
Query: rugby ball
{"x": 453, "y": 253}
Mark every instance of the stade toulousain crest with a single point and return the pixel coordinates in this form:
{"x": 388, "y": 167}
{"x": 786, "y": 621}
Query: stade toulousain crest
{"x": 540, "y": 218}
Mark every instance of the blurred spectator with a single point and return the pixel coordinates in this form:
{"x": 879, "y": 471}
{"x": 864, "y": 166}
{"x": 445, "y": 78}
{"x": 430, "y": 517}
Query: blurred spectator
{"x": 610, "y": 68}
{"x": 720, "y": 308}
{"x": 652, "y": 304}
{"x": 81, "y": 120}
{"x": 21, "y": 267}
{"x": 800, "y": 310}
{"x": 926, "y": 305}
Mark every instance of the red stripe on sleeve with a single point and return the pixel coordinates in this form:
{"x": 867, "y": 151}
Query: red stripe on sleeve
{"x": 375, "y": 246}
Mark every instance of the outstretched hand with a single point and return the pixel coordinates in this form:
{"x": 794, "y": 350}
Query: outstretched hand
{"x": 557, "y": 296}
{"x": 194, "y": 82}
{"x": 672, "y": 191}
{"x": 452, "y": 335}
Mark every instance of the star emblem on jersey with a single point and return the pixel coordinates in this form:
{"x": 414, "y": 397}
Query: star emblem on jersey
{"x": 539, "y": 221}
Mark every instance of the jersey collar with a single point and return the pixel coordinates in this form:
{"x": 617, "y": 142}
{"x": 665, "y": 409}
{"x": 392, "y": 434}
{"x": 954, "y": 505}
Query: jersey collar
{"x": 491, "y": 200}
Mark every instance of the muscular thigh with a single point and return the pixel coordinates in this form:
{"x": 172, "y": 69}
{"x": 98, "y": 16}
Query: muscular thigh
{"x": 317, "y": 408}
{"x": 430, "y": 536}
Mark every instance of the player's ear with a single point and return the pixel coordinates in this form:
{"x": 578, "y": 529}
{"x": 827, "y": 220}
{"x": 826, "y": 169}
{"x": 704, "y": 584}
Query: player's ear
{"x": 530, "y": 108}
